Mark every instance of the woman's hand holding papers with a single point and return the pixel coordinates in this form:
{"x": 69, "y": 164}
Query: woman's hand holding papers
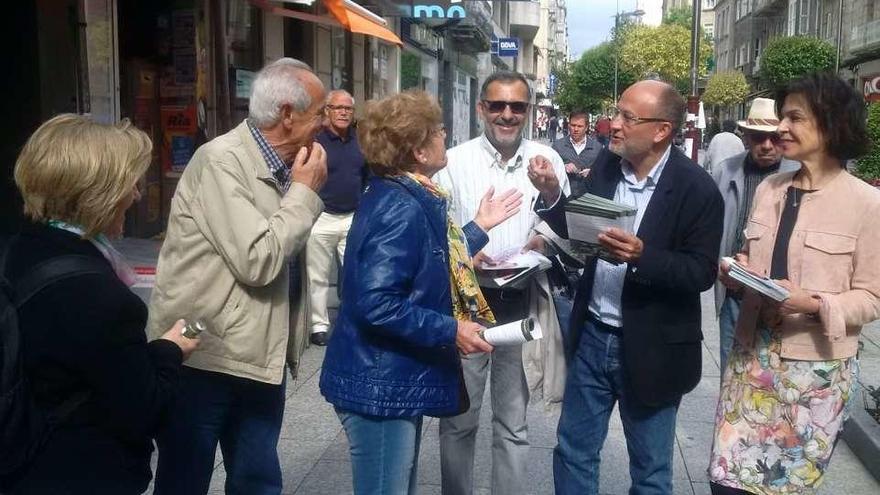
{"x": 622, "y": 245}
{"x": 494, "y": 209}
{"x": 799, "y": 300}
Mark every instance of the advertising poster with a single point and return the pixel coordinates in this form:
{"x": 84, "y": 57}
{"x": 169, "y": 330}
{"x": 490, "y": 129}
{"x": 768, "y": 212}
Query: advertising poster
{"x": 179, "y": 129}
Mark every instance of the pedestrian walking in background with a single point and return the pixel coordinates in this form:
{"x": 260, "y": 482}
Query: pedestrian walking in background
{"x": 409, "y": 297}
{"x": 498, "y": 159}
{"x": 84, "y": 353}
{"x": 791, "y": 372}
{"x": 726, "y": 144}
{"x": 346, "y": 177}
{"x": 737, "y": 179}
{"x": 603, "y": 130}
{"x": 636, "y": 325}
{"x": 578, "y": 151}
{"x": 552, "y": 127}
{"x": 244, "y": 206}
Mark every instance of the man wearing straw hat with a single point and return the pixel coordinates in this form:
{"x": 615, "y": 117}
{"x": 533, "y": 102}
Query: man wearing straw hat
{"x": 738, "y": 178}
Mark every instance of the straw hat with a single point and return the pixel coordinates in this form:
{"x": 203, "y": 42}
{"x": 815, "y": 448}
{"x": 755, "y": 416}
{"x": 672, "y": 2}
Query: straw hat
{"x": 762, "y": 116}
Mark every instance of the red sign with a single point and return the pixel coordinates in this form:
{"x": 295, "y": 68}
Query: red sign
{"x": 871, "y": 87}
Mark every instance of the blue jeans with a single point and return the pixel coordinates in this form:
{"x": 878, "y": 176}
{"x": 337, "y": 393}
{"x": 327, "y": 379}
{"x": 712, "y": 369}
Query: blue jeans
{"x": 384, "y": 452}
{"x": 243, "y": 415}
{"x": 596, "y": 380}
{"x": 727, "y": 328}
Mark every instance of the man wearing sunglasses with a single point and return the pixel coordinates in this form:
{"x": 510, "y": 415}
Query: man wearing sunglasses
{"x": 635, "y": 336}
{"x": 738, "y": 178}
{"x": 499, "y": 159}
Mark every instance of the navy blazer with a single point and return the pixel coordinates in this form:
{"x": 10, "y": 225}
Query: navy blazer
{"x": 660, "y": 304}
{"x": 393, "y": 350}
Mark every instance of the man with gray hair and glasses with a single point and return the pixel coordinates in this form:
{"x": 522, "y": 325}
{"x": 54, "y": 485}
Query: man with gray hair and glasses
{"x": 242, "y": 210}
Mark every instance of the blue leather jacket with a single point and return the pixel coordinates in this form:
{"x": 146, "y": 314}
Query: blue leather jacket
{"x": 392, "y": 352}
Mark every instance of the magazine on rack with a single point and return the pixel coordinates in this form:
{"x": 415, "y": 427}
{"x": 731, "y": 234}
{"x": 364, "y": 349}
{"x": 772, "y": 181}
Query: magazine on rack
{"x": 758, "y": 283}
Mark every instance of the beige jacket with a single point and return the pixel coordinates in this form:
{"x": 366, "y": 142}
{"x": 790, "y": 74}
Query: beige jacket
{"x": 834, "y": 253}
{"x": 225, "y": 260}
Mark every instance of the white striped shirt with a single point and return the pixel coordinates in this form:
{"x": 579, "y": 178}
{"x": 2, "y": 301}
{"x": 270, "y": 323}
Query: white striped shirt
{"x": 474, "y": 166}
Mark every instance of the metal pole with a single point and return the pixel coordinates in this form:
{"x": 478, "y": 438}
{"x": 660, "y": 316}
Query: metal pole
{"x": 695, "y": 46}
{"x": 839, "y": 35}
{"x": 616, "y": 49}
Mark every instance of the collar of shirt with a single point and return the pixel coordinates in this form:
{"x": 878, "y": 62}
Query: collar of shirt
{"x": 280, "y": 171}
{"x": 336, "y": 137}
{"x": 515, "y": 161}
{"x": 582, "y": 143}
{"x": 651, "y": 179}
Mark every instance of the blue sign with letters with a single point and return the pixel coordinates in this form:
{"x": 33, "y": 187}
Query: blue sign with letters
{"x": 508, "y": 47}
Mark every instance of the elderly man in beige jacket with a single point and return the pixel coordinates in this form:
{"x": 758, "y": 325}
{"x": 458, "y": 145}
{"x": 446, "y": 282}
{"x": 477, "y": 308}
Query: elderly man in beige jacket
{"x": 242, "y": 210}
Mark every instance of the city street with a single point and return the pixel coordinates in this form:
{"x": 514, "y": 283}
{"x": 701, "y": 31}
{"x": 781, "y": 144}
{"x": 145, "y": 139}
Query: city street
{"x": 314, "y": 451}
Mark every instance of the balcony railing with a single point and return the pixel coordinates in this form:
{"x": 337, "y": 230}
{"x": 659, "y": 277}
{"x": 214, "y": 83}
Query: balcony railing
{"x": 865, "y": 37}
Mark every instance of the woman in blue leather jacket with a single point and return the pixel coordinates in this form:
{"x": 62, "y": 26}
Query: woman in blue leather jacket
{"x": 410, "y": 300}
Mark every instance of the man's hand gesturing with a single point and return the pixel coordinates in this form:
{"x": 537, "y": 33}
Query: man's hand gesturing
{"x": 543, "y": 177}
{"x": 311, "y": 171}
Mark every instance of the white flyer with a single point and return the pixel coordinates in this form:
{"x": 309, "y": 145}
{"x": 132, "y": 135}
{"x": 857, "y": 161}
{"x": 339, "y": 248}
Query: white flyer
{"x": 513, "y": 333}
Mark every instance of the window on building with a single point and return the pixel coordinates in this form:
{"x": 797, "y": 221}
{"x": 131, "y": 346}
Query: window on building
{"x": 792, "y": 17}
{"x": 804, "y": 18}
{"x": 829, "y": 26}
{"x": 757, "y": 51}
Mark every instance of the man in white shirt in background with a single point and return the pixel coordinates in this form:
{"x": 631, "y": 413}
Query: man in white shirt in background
{"x": 499, "y": 158}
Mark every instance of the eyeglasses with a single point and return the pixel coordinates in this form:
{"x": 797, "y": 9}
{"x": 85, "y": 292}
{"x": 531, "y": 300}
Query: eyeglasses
{"x": 498, "y": 106}
{"x": 630, "y": 120}
{"x": 758, "y": 137}
{"x": 340, "y": 108}
{"x": 441, "y": 129}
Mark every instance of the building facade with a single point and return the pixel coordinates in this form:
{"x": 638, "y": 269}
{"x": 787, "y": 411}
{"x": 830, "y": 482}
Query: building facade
{"x": 181, "y": 69}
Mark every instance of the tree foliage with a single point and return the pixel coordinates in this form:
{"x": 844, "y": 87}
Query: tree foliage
{"x": 726, "y": 89}
{"x": 790, "y": 57}
{"x": 868, "y": 167}
{"x": 679, "y": 16}
{"x": 589, "y": 83}
{"x": 662, "y": 50}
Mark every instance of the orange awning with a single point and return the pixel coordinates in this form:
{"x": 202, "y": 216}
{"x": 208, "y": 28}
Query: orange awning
{"x": 357, "y": 23}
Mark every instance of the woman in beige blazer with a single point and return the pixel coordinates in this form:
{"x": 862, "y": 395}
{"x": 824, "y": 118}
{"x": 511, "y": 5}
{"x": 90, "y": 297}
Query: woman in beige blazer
{"x": 817, "y": 232}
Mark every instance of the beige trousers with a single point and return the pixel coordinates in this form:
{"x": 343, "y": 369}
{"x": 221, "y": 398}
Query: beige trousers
{"x": 326, "y": 244}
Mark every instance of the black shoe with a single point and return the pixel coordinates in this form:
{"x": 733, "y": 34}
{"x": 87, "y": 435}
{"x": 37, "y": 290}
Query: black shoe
{"x": 318, "y": 338}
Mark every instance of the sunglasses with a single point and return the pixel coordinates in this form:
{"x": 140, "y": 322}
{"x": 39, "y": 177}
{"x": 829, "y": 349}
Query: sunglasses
{"x": 760, "y": 137}
{"x": 498, "y": 106}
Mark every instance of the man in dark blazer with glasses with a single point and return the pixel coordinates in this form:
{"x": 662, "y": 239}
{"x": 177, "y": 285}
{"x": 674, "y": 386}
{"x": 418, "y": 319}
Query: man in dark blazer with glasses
{"x": 636, "y": 325}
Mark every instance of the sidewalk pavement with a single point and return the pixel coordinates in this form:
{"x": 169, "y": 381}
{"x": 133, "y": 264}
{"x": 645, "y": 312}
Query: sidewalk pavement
{"x": 314, "y": 451}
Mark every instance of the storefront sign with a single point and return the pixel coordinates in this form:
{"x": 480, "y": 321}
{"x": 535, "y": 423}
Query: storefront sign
{"x": 508, "y": 47}
{"x": 437, "y": 9}
{"x": 871, "y": 87}
{"x": 244, "y": 79}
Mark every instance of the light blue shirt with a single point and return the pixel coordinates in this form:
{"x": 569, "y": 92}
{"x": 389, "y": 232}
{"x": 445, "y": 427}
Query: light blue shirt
{"x": 608, "y": 281}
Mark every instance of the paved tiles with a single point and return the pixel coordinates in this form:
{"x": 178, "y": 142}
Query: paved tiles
{"x": 314, "y": 451}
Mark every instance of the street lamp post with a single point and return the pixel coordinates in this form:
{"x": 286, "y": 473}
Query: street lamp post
{"x": 693, "y": 101}
{"x": 617, "y": 16}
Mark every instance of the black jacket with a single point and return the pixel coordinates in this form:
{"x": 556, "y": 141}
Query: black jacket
{"x": 681, "y": 232}
{"x": 582, "y": 160}
{"x": 86, "y": 333}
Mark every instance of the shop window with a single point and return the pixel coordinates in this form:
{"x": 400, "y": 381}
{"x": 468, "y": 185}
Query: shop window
{"x": 410, "y": 71}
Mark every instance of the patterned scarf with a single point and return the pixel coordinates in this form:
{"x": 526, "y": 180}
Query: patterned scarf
{"x": 123, "y": 270}
{"x": 468, "y": 302}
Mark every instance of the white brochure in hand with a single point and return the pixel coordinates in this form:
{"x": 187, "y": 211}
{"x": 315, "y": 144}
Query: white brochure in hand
{"x": 515, "y": 332}
{"x": 758, "y": 283}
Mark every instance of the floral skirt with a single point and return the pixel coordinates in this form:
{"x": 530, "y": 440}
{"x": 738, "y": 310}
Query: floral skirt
{"x": 778, "y": 419}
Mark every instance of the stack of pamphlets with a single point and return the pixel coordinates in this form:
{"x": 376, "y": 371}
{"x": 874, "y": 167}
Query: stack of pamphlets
{"x": 511, "y": 269}
{"x": 589, "y": 215}
{"x": 758, "y": 283}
